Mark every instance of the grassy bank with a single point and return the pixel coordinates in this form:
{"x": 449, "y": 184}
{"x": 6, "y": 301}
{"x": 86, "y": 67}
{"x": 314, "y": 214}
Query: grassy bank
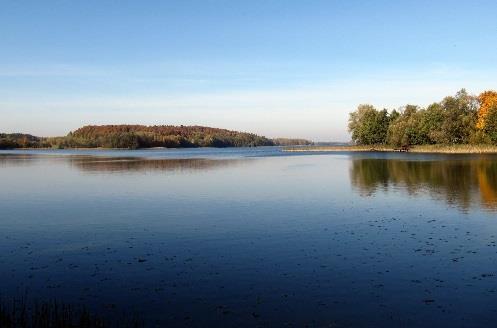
{"x": 442, "y": 149}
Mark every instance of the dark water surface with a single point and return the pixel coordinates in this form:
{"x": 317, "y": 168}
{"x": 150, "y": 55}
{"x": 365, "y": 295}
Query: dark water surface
{"x": 254, "y": 237}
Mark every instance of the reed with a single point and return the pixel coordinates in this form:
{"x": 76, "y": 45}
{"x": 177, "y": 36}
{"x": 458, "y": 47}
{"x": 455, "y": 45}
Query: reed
{"x": 20, "y": 313}
{"x": 442, "y": 149}
{"x": 455, "y": 149}
{"x": 339, "y": 148}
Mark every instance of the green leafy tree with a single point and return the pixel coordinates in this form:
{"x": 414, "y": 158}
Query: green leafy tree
{"x": 368, "y": 125}
{"x": 406, "y": 129}
{"x": 460, "y": 114}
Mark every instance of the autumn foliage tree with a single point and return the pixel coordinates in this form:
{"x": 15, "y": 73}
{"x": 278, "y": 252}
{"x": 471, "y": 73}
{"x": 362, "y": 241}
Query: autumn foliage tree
{"x": 488, "y": 100}
{"x": 487, "y": 115}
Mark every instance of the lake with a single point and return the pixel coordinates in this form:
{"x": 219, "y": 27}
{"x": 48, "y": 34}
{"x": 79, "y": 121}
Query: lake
{"x": 253, "y": 236}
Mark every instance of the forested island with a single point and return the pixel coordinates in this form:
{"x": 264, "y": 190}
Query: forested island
{"x": 141, "y": 136}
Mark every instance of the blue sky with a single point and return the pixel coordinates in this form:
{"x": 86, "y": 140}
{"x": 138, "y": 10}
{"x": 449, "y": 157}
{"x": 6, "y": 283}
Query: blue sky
{"x": 277, "y": 68}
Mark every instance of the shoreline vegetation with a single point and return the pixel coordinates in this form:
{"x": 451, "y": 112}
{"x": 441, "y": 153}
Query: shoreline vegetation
{"x": 462, "y": 123}
{"x": 140, "y": 137}
{"x": 436, "y": 149}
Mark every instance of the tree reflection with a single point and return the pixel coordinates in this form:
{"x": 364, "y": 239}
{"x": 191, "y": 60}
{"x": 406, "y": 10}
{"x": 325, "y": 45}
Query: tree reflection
{"x": 96, "y": 164}
{"x": 123, "y": 165}
{"x": 459, "y": 182}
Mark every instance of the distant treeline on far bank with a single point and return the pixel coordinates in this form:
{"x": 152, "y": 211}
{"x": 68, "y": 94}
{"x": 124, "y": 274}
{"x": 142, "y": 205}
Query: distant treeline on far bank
{"x": 140, "y": 136}
{"x": 459, "y": 119}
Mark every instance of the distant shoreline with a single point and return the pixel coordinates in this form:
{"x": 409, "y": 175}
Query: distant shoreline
{"x": 438, "y": 149}
{"x": 126, "y": 136}
{"x": 144, "y": 148}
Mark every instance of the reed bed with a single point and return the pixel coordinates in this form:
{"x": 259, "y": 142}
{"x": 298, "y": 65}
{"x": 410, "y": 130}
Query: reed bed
{"x": 455, "y": 149}
{"x": 19, "y": 313}
{"x": 442, "y": 149}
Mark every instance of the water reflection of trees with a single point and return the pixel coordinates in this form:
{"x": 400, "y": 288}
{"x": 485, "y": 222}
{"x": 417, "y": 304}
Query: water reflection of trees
{"x": 16, "y": 160}
{"x": 115, "y": 164}
{"x": 122, "y": 165}
{"x": 459, "y": 182}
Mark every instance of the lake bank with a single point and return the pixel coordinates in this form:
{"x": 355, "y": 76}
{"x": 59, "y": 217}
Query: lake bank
{"x": 441, "y": 149}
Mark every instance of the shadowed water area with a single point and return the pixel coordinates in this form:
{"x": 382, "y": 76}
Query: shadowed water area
{"x": 253, "y": 237}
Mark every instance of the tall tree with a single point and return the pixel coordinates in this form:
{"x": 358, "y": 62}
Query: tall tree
{"x": 460, "y": 115}
{"x": 368, "y": 125}
{"x": 488, "y": 100}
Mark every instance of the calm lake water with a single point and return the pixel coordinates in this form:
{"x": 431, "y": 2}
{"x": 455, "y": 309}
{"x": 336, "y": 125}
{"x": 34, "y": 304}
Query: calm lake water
{"x": 254, "y": 237}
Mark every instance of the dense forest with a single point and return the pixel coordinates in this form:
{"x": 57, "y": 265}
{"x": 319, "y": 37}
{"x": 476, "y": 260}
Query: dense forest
{"x": 459, "y": 119}
{"x": 140, "y": 136}
{"x": 19, "y": 140}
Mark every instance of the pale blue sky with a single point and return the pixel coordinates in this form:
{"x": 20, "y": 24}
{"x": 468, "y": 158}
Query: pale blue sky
{"x": 277, "y": 68}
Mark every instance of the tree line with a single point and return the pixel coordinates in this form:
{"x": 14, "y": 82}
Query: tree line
{"x": 140, "y": 136}
{"x": 19, "y": 140}
{"x": 458, "y": 119}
